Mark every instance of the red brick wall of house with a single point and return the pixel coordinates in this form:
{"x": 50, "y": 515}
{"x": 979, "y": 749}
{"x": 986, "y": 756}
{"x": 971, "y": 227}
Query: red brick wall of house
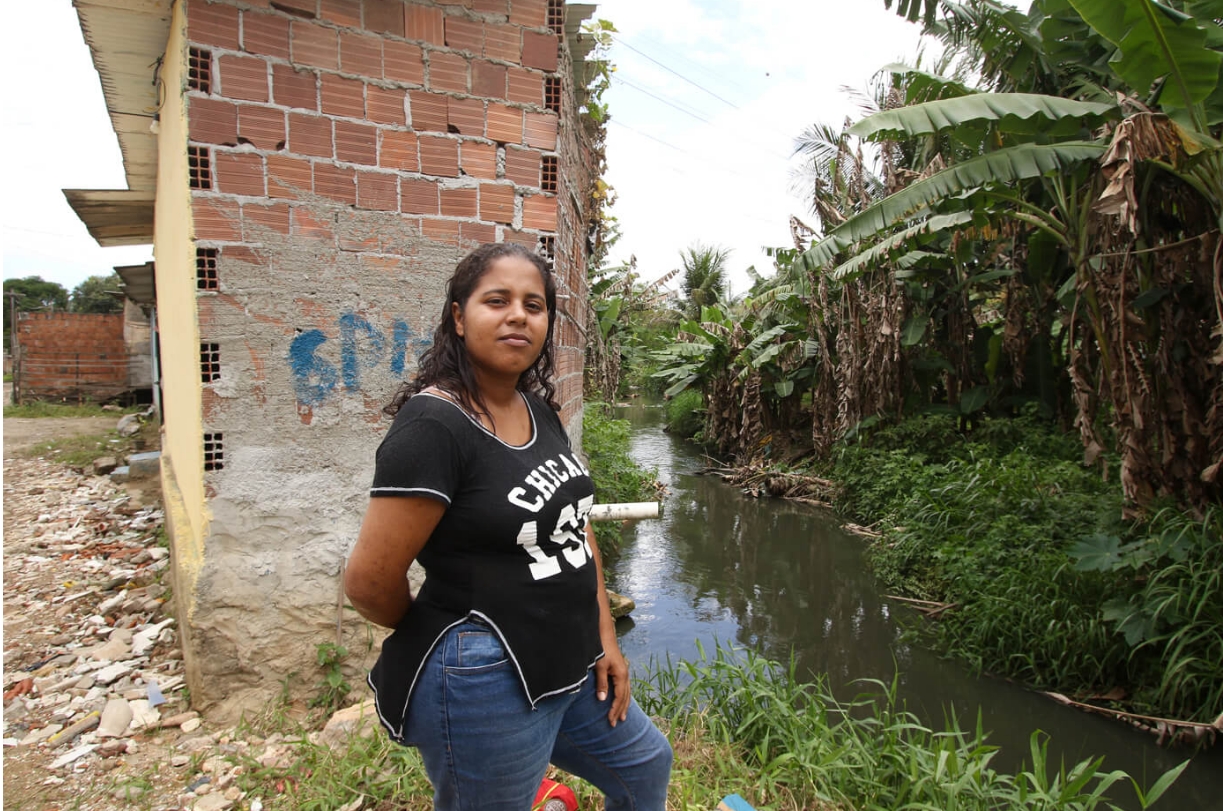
{"x": 385, "y": 135}
{"x": 77, "y": 356}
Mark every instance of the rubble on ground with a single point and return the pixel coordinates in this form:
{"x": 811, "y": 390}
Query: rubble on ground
{"x": 94, "y": 693}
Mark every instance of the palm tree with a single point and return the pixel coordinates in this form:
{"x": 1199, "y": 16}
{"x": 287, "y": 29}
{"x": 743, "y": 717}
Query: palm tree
{"x": 704, "y": 269}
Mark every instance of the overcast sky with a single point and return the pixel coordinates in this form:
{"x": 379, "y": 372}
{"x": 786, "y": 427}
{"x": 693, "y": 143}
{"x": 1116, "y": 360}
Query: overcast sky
{"x": 706, "y": 101}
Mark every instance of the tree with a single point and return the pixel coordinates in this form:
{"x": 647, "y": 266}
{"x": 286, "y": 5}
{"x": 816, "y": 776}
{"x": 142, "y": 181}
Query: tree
{"x": 36, "y": 294}
{"x": 704, "y": 270}
{"x": 1112, "y": 230}
{"x": 97, "y": 295}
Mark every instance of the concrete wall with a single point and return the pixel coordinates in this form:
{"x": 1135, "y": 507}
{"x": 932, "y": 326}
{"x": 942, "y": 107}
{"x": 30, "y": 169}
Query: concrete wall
{"x": 343, "y": 155}
{"x": 77, "y": 356}
{"x": 137, "y": 338}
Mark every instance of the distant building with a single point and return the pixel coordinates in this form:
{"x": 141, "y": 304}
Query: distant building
{"x": 80, "y": 357}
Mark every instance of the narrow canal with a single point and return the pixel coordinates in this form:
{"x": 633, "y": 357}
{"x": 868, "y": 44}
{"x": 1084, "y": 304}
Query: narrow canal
{"x": 782, "y": 577}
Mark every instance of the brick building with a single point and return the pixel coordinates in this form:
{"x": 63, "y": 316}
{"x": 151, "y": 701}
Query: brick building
{"x": 73, "y": 356}
{"x": 309, "y": 172}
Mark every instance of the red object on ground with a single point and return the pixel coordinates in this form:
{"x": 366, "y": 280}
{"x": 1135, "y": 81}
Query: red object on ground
{"x": 552, "y": 796}
{"x": 26, "y": 685}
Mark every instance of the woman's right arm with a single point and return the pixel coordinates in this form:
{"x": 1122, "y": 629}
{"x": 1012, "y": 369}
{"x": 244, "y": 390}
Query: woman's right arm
{"x": 394, "y": 531}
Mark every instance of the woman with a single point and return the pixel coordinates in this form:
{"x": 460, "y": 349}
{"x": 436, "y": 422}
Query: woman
{"x": 488, "y": 672}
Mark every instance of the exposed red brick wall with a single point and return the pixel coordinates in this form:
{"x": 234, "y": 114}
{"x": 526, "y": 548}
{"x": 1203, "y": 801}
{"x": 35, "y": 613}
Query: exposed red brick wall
{"x": 72, "y": 355}
{"x": 431, "y": 110}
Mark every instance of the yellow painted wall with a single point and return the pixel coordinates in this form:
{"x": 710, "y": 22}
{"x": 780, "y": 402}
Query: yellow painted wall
{"x": 174, "y": 250}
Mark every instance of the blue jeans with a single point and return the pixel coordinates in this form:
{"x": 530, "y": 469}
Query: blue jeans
{"x": 485, "y": 748}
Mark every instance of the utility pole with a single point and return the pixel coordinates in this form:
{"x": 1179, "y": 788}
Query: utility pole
{"x": 14, "y": 345}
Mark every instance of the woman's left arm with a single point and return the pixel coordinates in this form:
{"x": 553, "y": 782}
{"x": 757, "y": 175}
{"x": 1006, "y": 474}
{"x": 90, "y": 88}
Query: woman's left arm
{"x": 613, "y": 665}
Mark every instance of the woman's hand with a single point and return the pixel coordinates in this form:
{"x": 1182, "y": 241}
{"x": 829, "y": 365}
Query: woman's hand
{"x": 613, "y": 669}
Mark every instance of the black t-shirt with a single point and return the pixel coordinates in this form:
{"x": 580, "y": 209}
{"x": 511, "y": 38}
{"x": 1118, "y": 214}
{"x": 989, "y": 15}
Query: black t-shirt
{"x": 510, "y": 549}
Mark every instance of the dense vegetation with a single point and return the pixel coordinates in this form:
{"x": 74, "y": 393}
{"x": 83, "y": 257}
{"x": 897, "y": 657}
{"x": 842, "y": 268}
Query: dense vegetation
{"x": 1047, "y": 583}
{"x": 1002, "y": 336}
{"x": 617, "y": 477}
{"x": 792, "y": 745}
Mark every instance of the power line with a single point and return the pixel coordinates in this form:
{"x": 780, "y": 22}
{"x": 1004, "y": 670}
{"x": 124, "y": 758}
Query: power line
{"x": 670, "y": 51}
{"x": 623, "y": 42}
{"x": 667, "y": 102}
{"x": 722, "y": 169}
{"x": 766, "y": 147}
{"x": 773, "y": 125}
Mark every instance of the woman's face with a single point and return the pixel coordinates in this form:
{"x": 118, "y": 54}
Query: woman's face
{"x": 505, "y": 320}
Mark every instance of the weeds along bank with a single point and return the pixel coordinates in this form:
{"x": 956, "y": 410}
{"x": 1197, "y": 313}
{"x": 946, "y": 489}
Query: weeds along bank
{"x": 1050, "y": 585}
{"x": 739, "y": 723}
{"x": 1045, "y": 582}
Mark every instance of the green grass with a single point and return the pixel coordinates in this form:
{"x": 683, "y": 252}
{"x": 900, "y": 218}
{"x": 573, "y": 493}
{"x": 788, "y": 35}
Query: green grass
{"x": 737, "y": 722}
{"x": 685, "y": 413}
{"x": 44, "y": 409}
{"x": 786, "y": 744}
{"x": 81, "y": 451}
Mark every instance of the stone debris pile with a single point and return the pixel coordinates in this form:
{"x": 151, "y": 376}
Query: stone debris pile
{"x": 93, "y": 673}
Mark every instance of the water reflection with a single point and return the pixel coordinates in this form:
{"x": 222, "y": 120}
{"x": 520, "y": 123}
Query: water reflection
{"x": 785, "y": 580}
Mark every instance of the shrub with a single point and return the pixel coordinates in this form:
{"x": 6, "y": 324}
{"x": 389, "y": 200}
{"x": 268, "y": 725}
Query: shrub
{"x": 685, "y": 414}
{"x": 616, "y": 476}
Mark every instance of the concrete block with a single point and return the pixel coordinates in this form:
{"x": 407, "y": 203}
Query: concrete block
{"x": 145, "y": 465}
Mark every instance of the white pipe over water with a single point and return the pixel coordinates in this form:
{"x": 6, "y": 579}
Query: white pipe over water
{"x": 631, "y": 511}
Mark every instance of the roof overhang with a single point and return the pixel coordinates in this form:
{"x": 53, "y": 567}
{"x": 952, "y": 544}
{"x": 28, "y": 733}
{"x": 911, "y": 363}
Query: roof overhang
{"x": 139, "y": 283}
{"x": 114, "y": 217}
{"x": 580, "y": 43}
{"x": 127, "y": 40}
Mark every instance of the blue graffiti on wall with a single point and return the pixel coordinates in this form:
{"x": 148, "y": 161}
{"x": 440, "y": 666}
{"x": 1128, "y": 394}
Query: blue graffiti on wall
{"x": 362, "y": 347}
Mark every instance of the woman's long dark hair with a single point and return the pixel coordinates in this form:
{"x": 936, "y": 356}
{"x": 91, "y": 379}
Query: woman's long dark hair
{"x": 445, "y": 364}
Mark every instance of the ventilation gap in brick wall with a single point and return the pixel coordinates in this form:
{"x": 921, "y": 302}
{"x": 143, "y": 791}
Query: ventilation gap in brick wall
{"x": 548, "y": 173}
{"x": 210, "y": 362}
{"x": 199, "y": 70}
{"x": 214, "y": 452}
{"x": 552, "y": 93}
{"x": 556, "y": 16}
{"x": 206, "y": 269}
{"x": 293, "y": 9}
{"x": 547, "y": 249}
{"x": 199, "y": 165}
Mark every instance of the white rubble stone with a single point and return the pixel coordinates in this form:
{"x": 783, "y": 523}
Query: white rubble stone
{"x": 359, "y": 719}
{"x": 143, "y": 715}
{"x": 113, "y": 672}
{"x": 143, "y": 641}
{"x": 73, "y": 755}
{"x": 212, "y": 802}
{"x": 115, "y": 719}
{"x": 37, "y": 736}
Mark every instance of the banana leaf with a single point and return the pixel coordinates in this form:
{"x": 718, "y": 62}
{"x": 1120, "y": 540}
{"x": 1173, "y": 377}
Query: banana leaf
{"x": 1156, "y": 42}
{"x": 1004, "y": 166}
{"x": 1011, "y": 110}
{"x": 878, "y": 253}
